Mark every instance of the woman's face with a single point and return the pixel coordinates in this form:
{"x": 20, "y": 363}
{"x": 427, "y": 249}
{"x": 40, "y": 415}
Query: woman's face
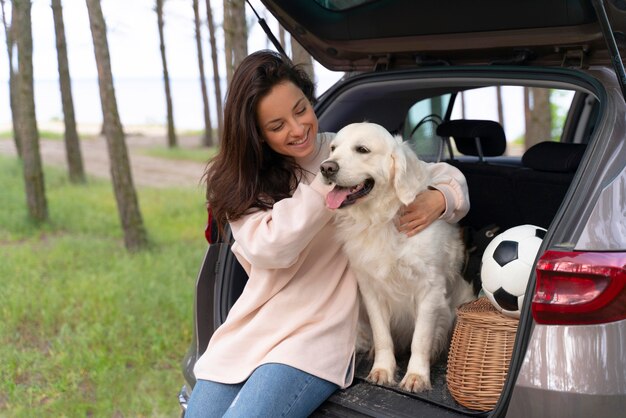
{"x": 287, "y": 121}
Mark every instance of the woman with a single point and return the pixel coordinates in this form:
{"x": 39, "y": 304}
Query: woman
{"x": 288, "y": 342}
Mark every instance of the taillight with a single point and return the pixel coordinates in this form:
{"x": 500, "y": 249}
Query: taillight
{"x": 575, "y": 288}
{"x": 208, "y": 231}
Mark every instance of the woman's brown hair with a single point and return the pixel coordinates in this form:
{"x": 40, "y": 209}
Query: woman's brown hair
{"x": 246, "y": 173}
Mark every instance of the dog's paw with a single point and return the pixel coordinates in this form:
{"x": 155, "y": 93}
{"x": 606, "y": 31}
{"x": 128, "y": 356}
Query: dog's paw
{"x": 413, "y": 382}
{"x": 381, "y": 377}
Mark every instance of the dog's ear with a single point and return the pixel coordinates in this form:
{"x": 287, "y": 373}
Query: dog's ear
{"x": 408, "y": 174}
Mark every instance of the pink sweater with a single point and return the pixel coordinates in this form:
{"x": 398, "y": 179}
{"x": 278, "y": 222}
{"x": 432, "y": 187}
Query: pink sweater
{"x": 300, "y": 304}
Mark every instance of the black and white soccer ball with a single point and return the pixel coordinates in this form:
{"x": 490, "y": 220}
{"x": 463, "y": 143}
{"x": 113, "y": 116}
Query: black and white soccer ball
{"x": 506, "y": 266}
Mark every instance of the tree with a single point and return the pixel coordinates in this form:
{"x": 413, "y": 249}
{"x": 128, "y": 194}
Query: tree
{"x": 127, "y": 204}
{"x": 300, "y": 56}
{"x": 171, "y": 132}
{"x": 281, "y": 37}
{"x": 10, "y": 34}
{"x": 500, "y": 104}
{"x": 235, "y": 35}
{"x": 217, "y": 85}
{"x": 538, "y": 116}
{"x": 72, "y": 144}
{"x": 462, "y": 98}
{"x": 28, "y": 132}
{"x": 207, "y": 138}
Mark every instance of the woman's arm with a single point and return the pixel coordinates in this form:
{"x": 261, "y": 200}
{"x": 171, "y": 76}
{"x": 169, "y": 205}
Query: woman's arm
{"x": 446, "y": 198}
{"x": 275, "y": 238}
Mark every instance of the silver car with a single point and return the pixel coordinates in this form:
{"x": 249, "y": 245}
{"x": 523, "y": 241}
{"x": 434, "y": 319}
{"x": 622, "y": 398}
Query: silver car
{"x": 527, "y": 99}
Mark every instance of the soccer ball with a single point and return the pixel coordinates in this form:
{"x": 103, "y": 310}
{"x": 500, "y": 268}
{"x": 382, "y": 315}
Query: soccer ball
{"x": 506, "y": 266}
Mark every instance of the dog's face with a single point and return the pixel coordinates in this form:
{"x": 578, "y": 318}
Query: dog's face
{"x": 366, "y": 160}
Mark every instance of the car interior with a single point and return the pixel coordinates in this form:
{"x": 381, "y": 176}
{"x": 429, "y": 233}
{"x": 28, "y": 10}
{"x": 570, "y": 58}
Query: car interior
{"x": 509, "y": 184}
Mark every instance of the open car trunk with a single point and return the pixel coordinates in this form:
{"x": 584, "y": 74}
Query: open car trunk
{"x": 504, "y": 191}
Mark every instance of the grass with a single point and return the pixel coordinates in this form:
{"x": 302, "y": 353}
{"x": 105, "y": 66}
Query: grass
{"x": 198, "y": 154}
{"x": 87, "y": 329}
{"x": 43, "y": 134}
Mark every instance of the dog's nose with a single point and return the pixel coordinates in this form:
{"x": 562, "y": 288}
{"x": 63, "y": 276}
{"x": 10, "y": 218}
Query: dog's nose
{"x": 329, "y": 168}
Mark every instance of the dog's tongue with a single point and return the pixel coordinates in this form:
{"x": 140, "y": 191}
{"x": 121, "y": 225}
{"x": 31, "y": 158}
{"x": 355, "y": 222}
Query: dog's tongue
{"x": 336, "y": 196}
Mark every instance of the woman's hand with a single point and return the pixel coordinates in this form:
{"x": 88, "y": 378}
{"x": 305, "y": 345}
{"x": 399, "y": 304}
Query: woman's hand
{"x": 427, "y": 206}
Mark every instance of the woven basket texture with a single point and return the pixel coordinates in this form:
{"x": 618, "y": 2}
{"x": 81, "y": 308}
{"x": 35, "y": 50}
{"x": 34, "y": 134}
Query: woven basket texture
{"x": 480, "y": 353}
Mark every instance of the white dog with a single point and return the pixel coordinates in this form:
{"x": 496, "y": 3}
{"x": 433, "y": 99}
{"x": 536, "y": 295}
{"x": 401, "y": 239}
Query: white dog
{"x": 410, "y": 286}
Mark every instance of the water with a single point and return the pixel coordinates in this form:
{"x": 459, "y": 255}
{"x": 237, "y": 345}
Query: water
{"x": 140, "y": 101}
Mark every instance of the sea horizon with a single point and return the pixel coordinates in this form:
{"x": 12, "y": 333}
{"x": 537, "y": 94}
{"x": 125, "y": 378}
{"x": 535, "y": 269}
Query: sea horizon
{"x": 140, "y": 101}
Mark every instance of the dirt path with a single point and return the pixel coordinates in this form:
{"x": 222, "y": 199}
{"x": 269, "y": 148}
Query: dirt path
{"x": 146, "y": 170}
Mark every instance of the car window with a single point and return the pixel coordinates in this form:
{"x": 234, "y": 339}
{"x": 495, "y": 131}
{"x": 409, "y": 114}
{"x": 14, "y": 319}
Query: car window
{"x": 528, "y": 115}
{"x": 420, "y": 125}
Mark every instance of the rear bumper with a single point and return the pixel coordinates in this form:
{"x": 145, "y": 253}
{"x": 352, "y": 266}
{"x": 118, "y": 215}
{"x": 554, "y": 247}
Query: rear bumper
{"x": 577, "y": 370}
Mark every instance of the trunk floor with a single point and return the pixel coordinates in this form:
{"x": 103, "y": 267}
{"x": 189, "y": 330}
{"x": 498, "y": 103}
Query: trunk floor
{"x": 439, "y": 394}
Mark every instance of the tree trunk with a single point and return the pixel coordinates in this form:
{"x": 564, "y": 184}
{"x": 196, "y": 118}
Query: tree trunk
{"x": 227, "y": 27}
{"x": 207, "y": 138}
{"x": 217, "y": 85}
{"x": 128, "y": 207}
{"x": 462, "y": 98}
{"x": 235, "y": 35}
{"x": 15, "y": 110}
{"x": 537, "y": 116}
{"x": 300, "y": 56}
{"x": 281, "y": 37}
{"x": 171, "y": 132}
{"x": 29, "y": 134}
{"x": 500, "y": 105}
{"x": 240, "y": 44}
{"x": 72, "y": 143}
{"x": 10, "y": 34}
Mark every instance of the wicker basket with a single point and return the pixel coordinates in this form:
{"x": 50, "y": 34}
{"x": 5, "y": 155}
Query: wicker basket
{"x": 480, "y": 353}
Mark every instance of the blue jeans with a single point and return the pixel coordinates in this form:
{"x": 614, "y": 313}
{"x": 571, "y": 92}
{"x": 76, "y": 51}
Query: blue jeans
{"x": 272, "y": 390}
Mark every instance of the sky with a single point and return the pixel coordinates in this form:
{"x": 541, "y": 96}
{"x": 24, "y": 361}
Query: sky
{"x": 133, "y": 44}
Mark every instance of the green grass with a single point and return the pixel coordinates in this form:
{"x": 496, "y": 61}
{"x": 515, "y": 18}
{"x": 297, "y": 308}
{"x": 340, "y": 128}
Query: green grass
{"x": 51, "y": 135}
{"x": 198, "y": 154}
{"x": 43, "y": 134}
{"x": 87, "y": 329}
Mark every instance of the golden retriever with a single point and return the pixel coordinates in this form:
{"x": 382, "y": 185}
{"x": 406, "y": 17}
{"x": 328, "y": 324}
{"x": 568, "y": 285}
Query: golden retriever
{"x": 410, "y": 286}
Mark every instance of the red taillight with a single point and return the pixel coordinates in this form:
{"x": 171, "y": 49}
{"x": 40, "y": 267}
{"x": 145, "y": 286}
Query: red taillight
{"x": 575, "y": 288}
{"x": 208, "y": 231}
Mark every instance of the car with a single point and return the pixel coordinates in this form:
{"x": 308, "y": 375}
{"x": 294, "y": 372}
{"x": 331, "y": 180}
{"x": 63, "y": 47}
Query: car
{"x": 472, "y": 84}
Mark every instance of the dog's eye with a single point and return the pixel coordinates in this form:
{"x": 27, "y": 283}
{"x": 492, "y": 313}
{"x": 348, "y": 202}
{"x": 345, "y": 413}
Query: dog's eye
{"x": 362, "y": 150}
{"x": 332, "y": 148}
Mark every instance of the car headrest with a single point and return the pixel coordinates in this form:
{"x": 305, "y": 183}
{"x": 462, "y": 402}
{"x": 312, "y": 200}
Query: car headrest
{"x": 558, "y": 157}
{"x": 465, "y": 131}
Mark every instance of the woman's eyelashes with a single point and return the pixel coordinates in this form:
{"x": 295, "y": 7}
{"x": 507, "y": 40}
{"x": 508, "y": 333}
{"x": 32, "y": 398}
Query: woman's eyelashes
{"x": 278, "y": 127}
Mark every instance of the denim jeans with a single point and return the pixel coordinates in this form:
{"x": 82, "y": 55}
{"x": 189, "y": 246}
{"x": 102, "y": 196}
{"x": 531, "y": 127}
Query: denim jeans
{"x": 272, "y": 390}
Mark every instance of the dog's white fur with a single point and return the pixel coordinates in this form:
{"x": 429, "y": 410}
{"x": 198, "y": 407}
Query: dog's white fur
{"x": 410, "y": 286}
